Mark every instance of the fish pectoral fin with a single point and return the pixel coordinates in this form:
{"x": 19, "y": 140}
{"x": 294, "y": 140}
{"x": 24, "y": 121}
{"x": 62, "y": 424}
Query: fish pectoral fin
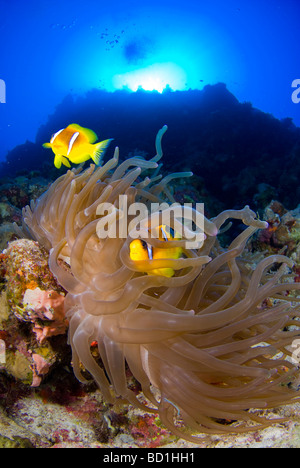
{"x": 168, "y": 272}
{"x": 98, "y": 150}
{"x": 65, "y": 161}
{"x": 47, "y": 145}
{"x": 57, "y": 161}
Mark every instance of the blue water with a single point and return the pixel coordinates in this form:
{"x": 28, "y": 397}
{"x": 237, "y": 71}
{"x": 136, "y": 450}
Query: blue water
{"x": 52, "y": 48}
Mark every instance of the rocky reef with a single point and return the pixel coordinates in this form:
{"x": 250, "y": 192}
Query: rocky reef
{"x": 240, "y": 153}
{"x": 31, "y": 312}
{"x": 15, "y": 193}
{"x": 43, "y": 405}
{"x": 239, "y": 156}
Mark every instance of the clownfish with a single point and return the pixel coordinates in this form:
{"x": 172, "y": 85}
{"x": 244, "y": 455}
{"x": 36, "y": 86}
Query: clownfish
{"x": 76, "y": 144}
{"x": 141, "y": 250}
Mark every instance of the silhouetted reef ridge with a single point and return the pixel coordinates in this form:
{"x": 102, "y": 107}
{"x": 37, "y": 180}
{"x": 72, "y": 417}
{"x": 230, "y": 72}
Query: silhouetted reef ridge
{"x": 239, "y": 154}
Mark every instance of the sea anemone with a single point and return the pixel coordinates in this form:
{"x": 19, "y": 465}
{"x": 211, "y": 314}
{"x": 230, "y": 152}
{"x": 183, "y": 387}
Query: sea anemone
{"x": 210, "y": 344}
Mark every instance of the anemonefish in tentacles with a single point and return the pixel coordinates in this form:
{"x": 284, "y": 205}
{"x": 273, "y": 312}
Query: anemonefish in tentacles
{"x": 141, "y": 250}
{"x": 75, "y": 144}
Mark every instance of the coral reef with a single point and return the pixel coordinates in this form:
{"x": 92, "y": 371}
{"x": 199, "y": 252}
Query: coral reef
{"x": 15, "y": 193}
{"x": 214, "y": 339}
{"x": 31, "y": 311}
{"x": 42, "y": 408}
{"x": 283, "y": 231}
{"x": 64, "y": 413}
{"x": 45, "y": 309}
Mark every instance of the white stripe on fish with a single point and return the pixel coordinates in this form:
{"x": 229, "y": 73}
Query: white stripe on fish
{"x": 55, "y": 135}
{"x": 164, "y": 234}
{"x": 150, "y": 251}
{"x": 72, "y": 141}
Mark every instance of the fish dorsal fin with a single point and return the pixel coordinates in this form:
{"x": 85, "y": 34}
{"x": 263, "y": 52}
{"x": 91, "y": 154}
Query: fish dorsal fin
{"x": 89, "y": 134}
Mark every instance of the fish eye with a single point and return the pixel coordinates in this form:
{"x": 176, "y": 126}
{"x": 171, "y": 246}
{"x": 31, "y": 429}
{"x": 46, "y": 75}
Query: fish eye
{"x": 144, "y": 244}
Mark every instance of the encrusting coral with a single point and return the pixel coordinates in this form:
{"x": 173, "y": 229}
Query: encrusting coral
{"x": 31, "y": 311}
{"x": 207, "y": 343}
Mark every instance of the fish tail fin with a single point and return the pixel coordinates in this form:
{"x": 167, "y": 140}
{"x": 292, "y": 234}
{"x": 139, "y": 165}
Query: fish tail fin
{"x": 57, "y": 161}
{"x": 98, "y": 150}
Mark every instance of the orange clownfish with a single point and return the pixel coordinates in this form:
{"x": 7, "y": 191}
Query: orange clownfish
{"x": 141, "y": 250}
{"x": 76, "y": 144}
